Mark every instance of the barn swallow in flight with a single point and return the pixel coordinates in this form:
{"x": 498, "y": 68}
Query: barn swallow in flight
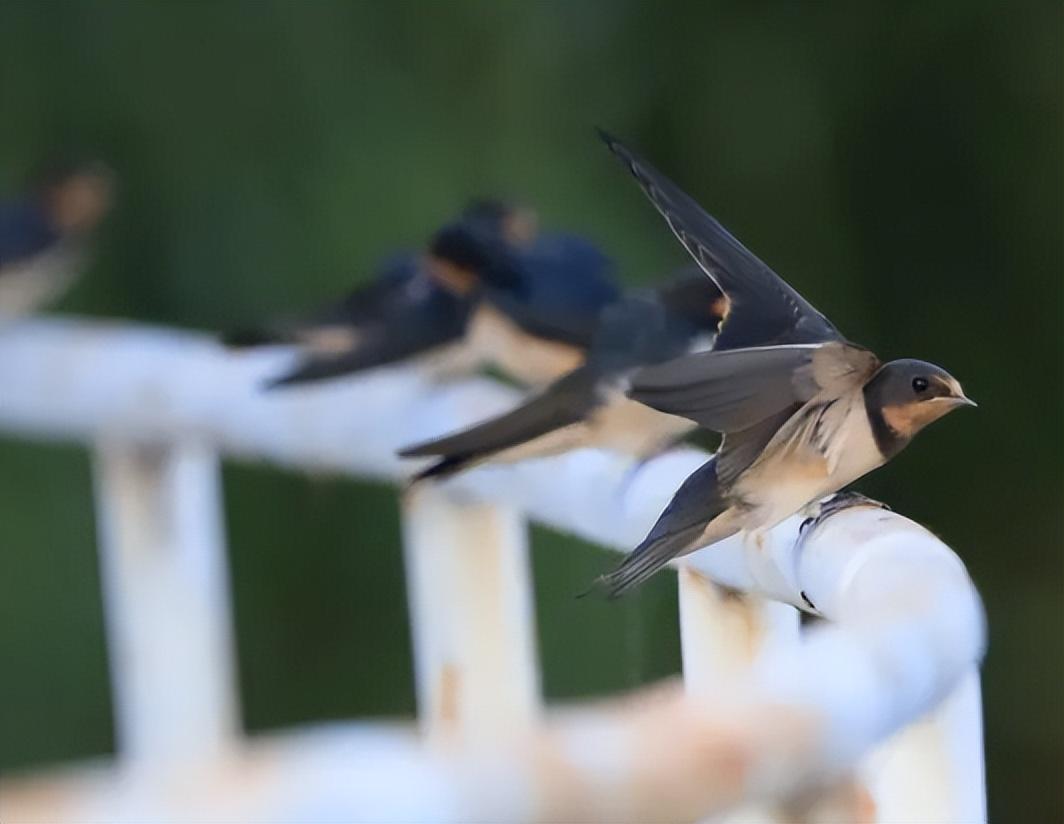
{"x": 587, "y": 407}
{"x": 802, "y": 410}
{"x": 44, "y": 235}
{"x": 485, "y": 289}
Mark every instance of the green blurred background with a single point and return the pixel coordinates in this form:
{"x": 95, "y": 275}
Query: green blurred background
{"x": 899, "y": 163}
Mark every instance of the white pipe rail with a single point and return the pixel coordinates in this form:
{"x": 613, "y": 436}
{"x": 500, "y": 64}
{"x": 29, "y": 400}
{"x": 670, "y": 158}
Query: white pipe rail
{"x": 906, "y": 622}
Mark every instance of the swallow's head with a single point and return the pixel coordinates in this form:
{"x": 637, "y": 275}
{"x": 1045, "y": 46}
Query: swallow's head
{"x": 456, "y": 278}
{"x": 468, "y": 254}
{"x": 694, "y": 296}
{"x": 76, "y": 196}
{"x": 516, "y": 225}
{"x": 910, "y": 394}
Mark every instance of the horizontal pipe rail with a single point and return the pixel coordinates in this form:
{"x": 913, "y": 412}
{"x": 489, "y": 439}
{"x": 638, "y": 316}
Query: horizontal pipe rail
{"x": 909, "y": 631}
{"x": 907, "y": 625}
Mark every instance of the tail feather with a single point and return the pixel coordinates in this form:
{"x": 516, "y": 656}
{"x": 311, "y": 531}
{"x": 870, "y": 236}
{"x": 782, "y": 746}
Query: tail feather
{"x": 645, "y": 560}
{"x": 566, "y": 402}
{"x": 678, "y": 530}
{"x": 250, "y": 337}
{"x": 310, "y": 371}
{"x": 444, "y": 468}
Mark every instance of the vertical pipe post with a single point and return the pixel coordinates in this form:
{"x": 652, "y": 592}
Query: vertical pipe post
{"x": 166, "y": 599}
{"x": 933, "y": 769}
{"x": 472, "y": 616}
{"x": 721, "y": 635}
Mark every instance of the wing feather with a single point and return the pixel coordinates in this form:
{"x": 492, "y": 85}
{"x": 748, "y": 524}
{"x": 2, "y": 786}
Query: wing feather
{"x": 740, "y": 449}
{"x": 697, "y": 502}
{"x": 764, "y": 308}
{"x": 733, "y": 390}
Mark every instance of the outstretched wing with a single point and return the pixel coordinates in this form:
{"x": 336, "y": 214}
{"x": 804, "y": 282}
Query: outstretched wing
{"x": 677, "y": 530}
{"x": 764, "y": 309}
{"x": 735, "y": 389}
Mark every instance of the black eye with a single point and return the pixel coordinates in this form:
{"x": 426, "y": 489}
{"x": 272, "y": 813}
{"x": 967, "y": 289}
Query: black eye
{"x": 919, "y": 385}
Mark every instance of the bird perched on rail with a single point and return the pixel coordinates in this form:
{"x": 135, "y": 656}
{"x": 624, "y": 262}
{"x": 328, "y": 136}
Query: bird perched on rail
{"x": 402, "y": 314}
{"x": 488, "y": 291}
{"x": 44, "y": 234}
{"x": 803, "y": 411}
{"x": 588, "y": 407}
{"x": 539, "y": 327}
{"x": 417, "y": 306}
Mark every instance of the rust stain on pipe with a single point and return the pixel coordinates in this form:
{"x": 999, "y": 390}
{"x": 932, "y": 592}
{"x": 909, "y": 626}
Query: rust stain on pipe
{"x": 448, "y": 696}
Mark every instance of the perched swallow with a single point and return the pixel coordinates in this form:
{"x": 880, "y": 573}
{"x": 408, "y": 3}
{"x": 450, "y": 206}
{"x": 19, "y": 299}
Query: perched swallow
{"x": 44, "y": 235}
{"x": 540, "y": 327}
{"x": 803, "y": 411}
{"x": 416, "y": 306}
{"x": 403, "y": 313}
{"x": 588, "y": 407}
{"x": 489, "y": 291}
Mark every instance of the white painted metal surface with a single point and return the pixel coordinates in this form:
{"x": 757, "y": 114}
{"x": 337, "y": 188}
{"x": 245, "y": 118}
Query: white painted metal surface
{"x": 472, "y": 616}
{"x": 933, "y": 769}
{"x": 905, "y": 622}
{"x": 722, "y": 633}
{"x": 166, "y": 600}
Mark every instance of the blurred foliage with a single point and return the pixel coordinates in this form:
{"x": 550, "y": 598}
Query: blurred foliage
{"x": 900, "y": 163}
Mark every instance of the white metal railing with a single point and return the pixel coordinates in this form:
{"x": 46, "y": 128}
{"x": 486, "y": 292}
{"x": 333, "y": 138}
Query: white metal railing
{"x": 874, "y": 716}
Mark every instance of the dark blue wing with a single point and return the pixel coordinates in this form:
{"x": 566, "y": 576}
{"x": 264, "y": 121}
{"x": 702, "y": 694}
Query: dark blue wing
{"x": 25, "y": 231}
{"x": 399, "y": 280}
{"x": 764, "y": 310}
{"x": 409, "y": 330}
{"x": 568, "y": 282}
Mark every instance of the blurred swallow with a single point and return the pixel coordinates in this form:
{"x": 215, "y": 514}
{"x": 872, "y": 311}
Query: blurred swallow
{"x": 403, "y": 313}
{"x": 485, "y": 293}
{"x": 803, "y": 411}
{"x": 416, "y": 306}
{"x": 44, "y": 234}
{"x": 540, "y": 299}
{"x": 588, "y": 407}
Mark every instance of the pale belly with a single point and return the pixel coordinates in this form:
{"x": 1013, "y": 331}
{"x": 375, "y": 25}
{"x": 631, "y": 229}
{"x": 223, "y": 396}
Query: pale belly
{"x": 449, "y": 362}
{"x": 623, "y": 425}
{"x": 778, "y": 491}
{"x": 785, "y": 480}
{"x": 560, "y": 440}
{"x": 29, "y": 285}
{"x": 533, "y": 361}
{"x": 331, "y": 340}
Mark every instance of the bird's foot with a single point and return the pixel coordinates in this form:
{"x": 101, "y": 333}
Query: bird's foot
{"x": 839, "y": 502}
